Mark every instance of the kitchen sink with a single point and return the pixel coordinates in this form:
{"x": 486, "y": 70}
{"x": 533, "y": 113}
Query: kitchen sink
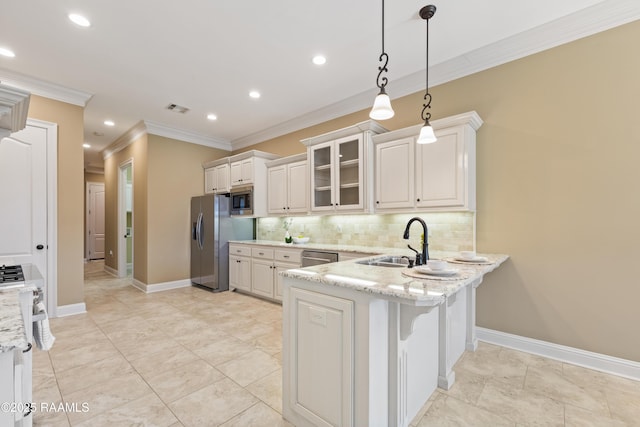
{"x": 390, "y": 261}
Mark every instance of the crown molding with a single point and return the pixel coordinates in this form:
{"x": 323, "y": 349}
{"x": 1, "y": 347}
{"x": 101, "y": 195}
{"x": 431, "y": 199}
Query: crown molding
{"x": 159, "y": 129}
{"x": 127, "y": 138}
{"x": 45, "y": 89}
{"x": 592, "y": 20}
{"x": 94, "y": 169}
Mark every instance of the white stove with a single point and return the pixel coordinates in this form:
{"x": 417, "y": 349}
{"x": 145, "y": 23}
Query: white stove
{"x": 11, "y": 276}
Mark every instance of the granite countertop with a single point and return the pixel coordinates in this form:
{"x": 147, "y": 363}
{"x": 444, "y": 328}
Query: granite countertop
{"x": 393, "y": 283}
{"x": 12, "y": 328}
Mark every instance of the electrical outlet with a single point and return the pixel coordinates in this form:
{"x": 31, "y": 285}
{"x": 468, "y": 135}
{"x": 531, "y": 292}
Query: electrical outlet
{"x": 110, "y": 252}
{"x": 339, "y": 228}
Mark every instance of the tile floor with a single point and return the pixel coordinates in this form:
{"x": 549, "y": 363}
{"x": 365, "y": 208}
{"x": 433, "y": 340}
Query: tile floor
{"x": 188, "y": 357}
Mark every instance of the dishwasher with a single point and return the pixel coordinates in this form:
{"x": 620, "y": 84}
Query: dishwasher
{"x": 310, "y": 258}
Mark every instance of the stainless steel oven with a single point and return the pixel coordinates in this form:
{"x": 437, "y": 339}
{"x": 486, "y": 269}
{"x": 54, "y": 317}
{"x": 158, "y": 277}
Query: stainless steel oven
{"x": 241, "y": 202}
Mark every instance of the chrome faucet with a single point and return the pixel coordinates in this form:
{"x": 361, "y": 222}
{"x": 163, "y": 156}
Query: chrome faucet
{"x": 421, "y": 259}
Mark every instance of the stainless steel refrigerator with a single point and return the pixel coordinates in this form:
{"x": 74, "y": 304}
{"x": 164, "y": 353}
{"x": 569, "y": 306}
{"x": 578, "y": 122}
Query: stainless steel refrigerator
{"x": 211, "y": 230}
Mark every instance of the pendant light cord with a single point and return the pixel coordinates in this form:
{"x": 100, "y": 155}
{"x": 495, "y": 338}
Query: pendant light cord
{"x": 426, "y": 115}
{"x": 381, "y": 81}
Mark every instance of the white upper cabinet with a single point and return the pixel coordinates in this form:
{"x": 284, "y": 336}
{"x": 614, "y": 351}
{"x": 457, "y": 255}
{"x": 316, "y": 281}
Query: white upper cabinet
{"x": 288, "y": 185}
{"x": 216, "y": 177}
{"x": 394, "y": 173}
{"x": 438, "y": 176}
{"x": 242, "y": 172}
{"x": 340, "y": 179}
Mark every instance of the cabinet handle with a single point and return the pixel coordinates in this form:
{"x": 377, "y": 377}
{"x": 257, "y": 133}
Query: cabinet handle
{"x": 29, "y": 346}
{"x": 260, "y": 253}
{"x": 285, "y": 256}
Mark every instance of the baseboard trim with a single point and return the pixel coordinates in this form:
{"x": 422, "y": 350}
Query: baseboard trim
{"x": 575, "y": 356}
{"x": 111, "y": 271}
{"x": 159, "y": 287}
{"x": 71, "y": 309}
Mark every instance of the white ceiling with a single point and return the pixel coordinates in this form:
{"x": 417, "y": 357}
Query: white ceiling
{"x": 139, "y": 56}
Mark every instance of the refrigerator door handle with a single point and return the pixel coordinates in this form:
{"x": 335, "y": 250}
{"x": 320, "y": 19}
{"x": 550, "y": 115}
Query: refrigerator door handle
{"x": 199, "y": 232}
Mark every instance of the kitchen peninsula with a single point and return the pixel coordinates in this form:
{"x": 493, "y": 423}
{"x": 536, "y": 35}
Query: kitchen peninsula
{"x": 367, "y": 345}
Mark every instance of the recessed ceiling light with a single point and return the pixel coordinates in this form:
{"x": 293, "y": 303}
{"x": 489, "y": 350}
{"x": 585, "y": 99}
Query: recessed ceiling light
{"x": 85, "y": 145}
{"x": 212, "y": 117}
{"x": 109, "y": 123}
{"x": 6, "y": 52}
{"x": 79, "y": 20}
{"x": 254, "y": 94}
{"x": 319, "y": 60}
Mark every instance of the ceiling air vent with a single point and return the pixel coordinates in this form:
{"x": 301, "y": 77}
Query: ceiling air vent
{"x": 177, "y": 108}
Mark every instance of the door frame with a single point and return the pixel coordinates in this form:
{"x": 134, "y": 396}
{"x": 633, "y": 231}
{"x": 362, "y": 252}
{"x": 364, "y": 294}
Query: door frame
{"x": 122, "y": 216}
{"x": 87, "y": 204}
{"x": 51, "y": 279}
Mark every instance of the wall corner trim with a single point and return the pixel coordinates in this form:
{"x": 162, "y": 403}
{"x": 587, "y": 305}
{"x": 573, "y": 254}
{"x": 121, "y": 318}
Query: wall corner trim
{"x": 159, "y": 287}
{"x": 575, "y": 356}
{"x": 71, "y": 309}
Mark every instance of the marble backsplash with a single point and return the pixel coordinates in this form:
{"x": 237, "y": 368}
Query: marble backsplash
{"x": 448, "y": 231}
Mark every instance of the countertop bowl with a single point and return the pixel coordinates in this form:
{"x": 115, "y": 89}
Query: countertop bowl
{"x": 300, "y": 239}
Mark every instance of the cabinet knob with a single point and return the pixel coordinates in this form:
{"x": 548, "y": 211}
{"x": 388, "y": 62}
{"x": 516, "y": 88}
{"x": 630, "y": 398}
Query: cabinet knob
{"x": 378, "y": 202}
{"x": 417, "y": 200}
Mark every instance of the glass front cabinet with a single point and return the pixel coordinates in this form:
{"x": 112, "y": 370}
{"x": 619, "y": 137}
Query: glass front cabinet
{"x": 337, "y": 166}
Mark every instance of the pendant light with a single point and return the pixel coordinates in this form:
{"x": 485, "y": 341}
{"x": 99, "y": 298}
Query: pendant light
{"x": 426, "y": 132}
{"x": 382, "y": 104}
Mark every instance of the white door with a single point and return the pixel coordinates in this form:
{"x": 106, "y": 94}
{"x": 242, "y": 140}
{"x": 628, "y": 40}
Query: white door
{"x": 95, "y": 220}
{"x": 23, "y": 192}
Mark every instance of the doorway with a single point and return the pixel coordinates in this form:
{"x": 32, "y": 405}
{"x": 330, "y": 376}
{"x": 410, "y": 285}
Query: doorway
{"x": 125, "y": 219}
{"x": 95, "y": 221}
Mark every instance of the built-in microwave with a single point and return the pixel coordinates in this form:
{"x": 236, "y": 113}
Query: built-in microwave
{"x": 241, "y": 200}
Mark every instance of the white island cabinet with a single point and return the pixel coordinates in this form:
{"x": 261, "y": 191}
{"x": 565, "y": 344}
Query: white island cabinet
{"x": 366, "y": 346}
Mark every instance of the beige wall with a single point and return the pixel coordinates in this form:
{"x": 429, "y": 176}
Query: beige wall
{"x": 175, "y": 175}
{"x": 69, "y": 119}
{"x": 137, "y": 151}
{"x": 557, "y": 171}
{"x": 166, "y": 174}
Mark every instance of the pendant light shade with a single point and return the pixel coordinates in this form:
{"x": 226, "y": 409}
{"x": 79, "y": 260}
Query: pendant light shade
{"x": 427, "y": 135}
{"x": 381, "y": 107}
{"x": 382, "y": 104}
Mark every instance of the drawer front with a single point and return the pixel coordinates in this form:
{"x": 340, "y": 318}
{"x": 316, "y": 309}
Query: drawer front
{"x": 288, "y": 256}
{"x": 240, "y": 250}
{"x": 263, "y": 253}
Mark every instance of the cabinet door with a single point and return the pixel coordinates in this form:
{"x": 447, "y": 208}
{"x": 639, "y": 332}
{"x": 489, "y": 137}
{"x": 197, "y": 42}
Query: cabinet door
{"x": 277, "y": 189}
{"x": 236, "y": 173}
{"x": 209, "y": 180}
{"x": 240, "y": 273}
{"x": 298, "y": 187}
{"x": 246, "y": 171}
{"x": 349, "y": 174}
{"x": 222, "y": 178}
{"x": 262, "y": 272}
{"x": 441, "y": 170}
{"x": 321, "y": 357}
{"x": 322, "y": 176}
{"x": 394, "y": 174}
